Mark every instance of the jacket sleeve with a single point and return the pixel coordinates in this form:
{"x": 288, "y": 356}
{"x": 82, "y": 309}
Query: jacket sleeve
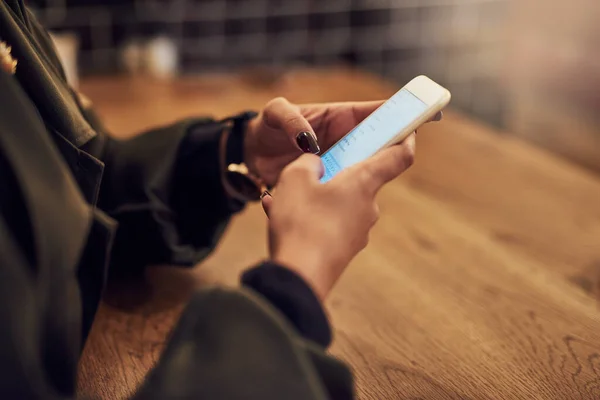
{"x": 236, "y": 345}
{"x": 164, "y": 189}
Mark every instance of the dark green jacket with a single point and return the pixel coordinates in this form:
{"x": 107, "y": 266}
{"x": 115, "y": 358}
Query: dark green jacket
{"x": 76, "y": 204}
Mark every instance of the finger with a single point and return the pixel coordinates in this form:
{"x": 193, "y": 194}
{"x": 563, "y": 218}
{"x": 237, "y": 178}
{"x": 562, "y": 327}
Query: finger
{"x": 282, "y": 115}
{"x": 387, "y": 164}
{"x": 437, "y": 117}
{"x": 266, "y": 201}
{"x": 307, "y": 166}
{"x": 362, "y": 110}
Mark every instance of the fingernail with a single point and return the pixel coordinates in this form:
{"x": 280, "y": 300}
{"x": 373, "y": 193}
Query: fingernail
{"x": 308, "y": 143}
{"x": 265, "y": 193}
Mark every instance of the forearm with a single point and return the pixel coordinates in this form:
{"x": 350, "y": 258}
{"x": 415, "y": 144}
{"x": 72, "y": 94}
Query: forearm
{"x": 164, "y": 188}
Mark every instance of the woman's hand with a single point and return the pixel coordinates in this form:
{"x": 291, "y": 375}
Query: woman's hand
{"x": 316, "y": 229}
{"x": 283, "y": 131}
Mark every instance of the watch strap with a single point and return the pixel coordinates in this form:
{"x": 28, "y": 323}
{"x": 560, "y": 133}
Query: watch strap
{"x": 234, "y": 153}
{"x": 238, "y": 181}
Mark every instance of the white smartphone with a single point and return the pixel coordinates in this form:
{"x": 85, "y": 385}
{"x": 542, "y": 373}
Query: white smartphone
{"x": 413, "y": 105}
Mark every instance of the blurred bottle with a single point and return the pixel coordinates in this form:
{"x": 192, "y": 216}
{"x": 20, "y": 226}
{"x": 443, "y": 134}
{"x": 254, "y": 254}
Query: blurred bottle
{"x": 161, "y": 57}
{"x": 131, "y": 57}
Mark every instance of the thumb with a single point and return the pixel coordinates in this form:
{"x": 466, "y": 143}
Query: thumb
{"x": 306, "y": 167}
{"x": 388, "y": 164}
{"x": 282, "y": 115}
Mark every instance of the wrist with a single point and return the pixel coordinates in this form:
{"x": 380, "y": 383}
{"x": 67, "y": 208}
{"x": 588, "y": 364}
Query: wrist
{"x": 310, "y": 265}
{"x": 239, "y": 182}
{"x": 250, "y": 147}
{"x": 291, "y": 294}
{"x": 238, "y": 128}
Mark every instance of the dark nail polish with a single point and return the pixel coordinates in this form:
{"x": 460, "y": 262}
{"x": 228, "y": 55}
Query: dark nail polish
{"x": 308, "y": 143}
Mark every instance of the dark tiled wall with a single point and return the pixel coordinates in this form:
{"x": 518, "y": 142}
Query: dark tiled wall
{"x": 456, "y": 42}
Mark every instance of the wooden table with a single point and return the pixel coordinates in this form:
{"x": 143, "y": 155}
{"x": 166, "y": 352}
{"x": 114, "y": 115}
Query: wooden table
{"x": 480, "y": 282}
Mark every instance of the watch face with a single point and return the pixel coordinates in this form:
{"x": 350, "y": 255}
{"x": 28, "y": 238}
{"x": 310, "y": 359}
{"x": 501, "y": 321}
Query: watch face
{"x": 244, "y": 185}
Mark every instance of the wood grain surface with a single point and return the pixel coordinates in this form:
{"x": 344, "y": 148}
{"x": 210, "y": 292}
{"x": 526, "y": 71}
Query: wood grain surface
{"x": 480, "y": 282}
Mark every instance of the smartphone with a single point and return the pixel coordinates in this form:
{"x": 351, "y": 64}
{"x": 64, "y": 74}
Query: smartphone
{"x": 413, "y": 105}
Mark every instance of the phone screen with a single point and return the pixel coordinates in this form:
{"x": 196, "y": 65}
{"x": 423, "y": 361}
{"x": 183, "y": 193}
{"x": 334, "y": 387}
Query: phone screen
{"x": 373, "y": 133}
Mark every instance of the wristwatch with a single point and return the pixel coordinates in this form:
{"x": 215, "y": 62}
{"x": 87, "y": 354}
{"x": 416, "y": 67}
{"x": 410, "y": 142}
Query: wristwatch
{"x": 239, "y": 182}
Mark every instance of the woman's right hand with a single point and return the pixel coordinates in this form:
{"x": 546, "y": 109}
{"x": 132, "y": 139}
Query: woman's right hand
{"x": 316, "y": 229}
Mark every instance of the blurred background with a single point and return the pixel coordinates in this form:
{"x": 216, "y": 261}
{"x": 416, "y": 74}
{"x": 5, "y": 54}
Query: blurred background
{"x": 529, "y": 67}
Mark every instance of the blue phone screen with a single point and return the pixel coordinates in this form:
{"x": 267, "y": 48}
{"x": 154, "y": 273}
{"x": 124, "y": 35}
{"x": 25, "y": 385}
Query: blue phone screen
{"x": 374, "y": 132}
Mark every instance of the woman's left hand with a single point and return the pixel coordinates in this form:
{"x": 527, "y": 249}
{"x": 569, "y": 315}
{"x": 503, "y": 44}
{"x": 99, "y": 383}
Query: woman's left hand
{"x": 283, "y": 131}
